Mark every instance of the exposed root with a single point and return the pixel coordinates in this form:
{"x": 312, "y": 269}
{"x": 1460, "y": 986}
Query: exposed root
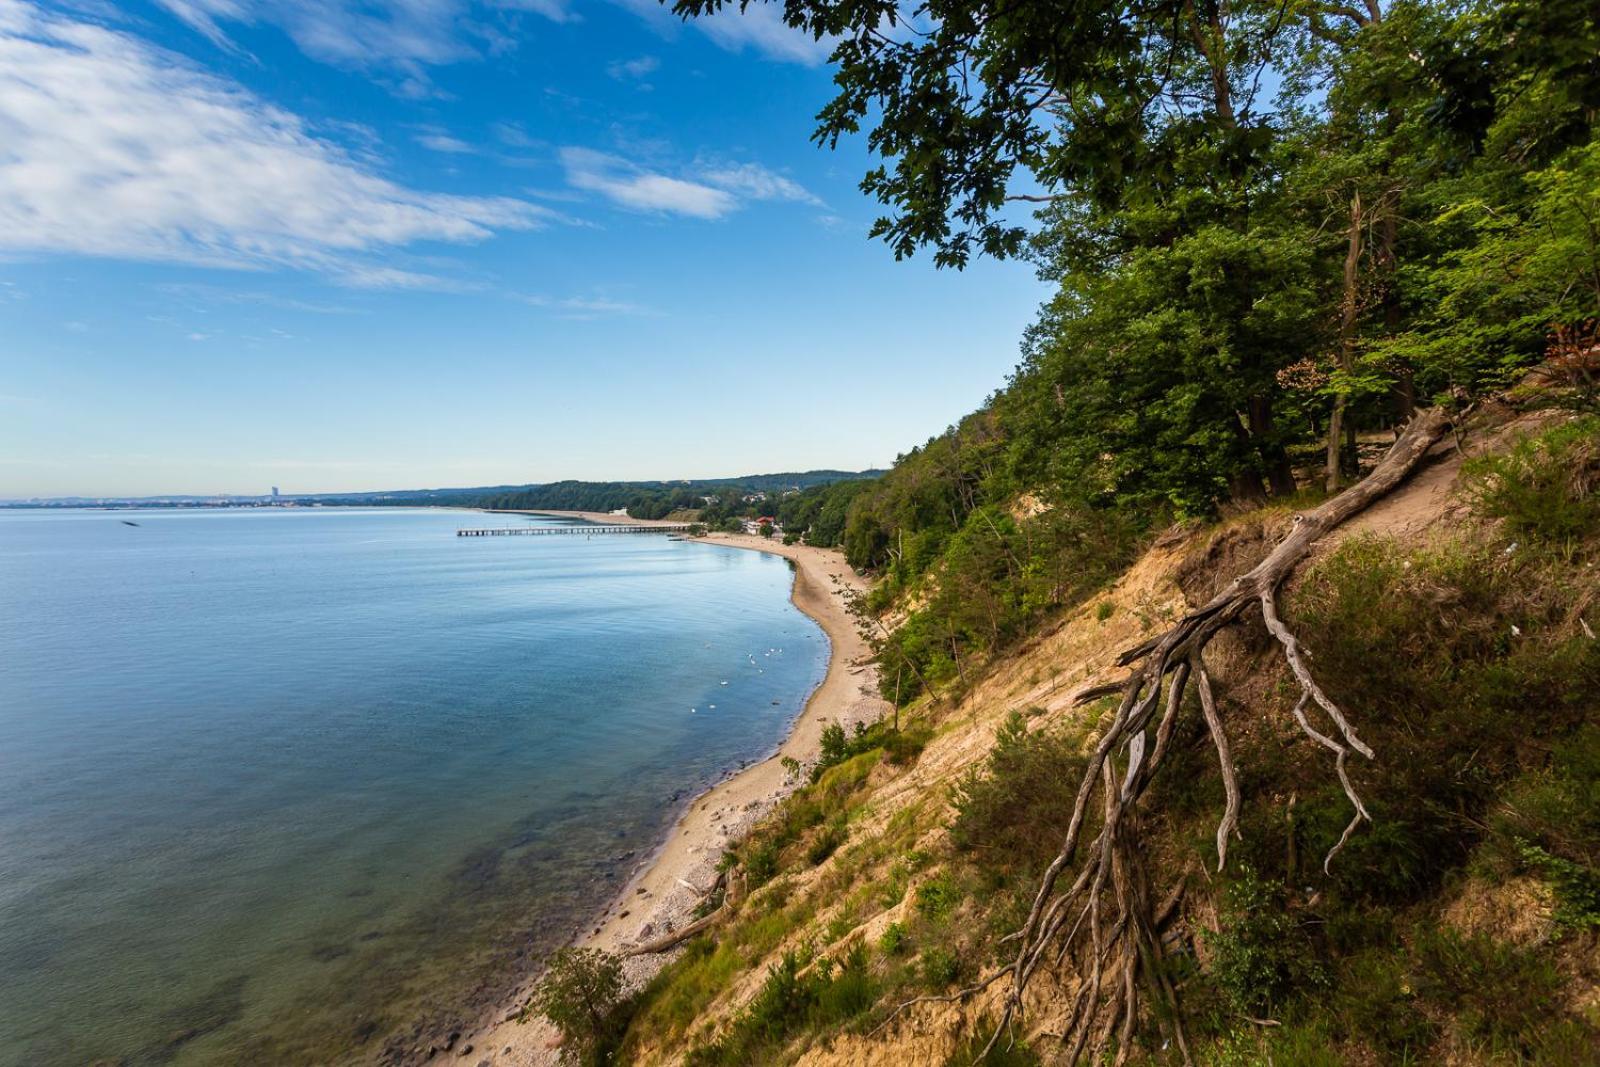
{"x": 1104, "y": 920}
{"x": 1230, "y": 781}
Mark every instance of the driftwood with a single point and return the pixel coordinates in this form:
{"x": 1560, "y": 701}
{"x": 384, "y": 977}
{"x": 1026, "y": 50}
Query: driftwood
{"x": 677, "y": 937}
{"x": 734, "y": 892}
{"x": 1105, "y": 919}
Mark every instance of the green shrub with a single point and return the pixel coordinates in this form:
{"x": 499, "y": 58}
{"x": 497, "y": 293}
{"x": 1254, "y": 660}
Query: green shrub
{"x": 940, "y": 968}
{"x": 827, "y": 800}
{"x": 790, "y": 1003}
{"x": 761, "y": 863}
{"x": 1498, "y": 993}
{"x": 1013, "y": 809}
{"x": 1447, "y": 661}
{"x": 894, "y": 887}
{"x": 581, "y": 994}
{"x": 1548, "y": 822}
{"x": 893, "y": 941}
{"x": 937, "y": 898}
{"x": 1291, "y": 1045}
{"x": 1262, "y": 953}
{"x": 1373, "y": 1002}
{"x": 901, "y": 747}
{"x": 826, "y": 843}
{"x": 1547, "y": 486}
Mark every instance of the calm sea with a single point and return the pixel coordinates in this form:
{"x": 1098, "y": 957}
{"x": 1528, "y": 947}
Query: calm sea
{"x": 277, "y": 784}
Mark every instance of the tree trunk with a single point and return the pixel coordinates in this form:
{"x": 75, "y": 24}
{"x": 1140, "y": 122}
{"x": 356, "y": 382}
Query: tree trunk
{"x": 1347, "y": 343}
{"x": 1274, "y": 458}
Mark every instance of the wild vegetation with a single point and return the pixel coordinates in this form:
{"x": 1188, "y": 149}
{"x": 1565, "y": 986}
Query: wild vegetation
{"x": 1287, "y": 239}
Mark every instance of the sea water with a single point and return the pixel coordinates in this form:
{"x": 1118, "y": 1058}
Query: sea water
{"x": 276, "y": 785}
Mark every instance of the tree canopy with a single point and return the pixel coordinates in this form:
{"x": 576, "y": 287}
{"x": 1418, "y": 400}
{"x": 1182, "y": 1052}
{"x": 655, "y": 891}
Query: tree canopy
{"x": 1273, "y": 227}
{"x": 1273, "y": 224}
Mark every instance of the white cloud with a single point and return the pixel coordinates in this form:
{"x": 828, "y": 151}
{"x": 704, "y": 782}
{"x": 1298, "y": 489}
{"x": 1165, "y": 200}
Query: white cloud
{"x": 632, "y": 187}
{"x": 399, "y": 36}
{"x": 758, "y": 27}
{"x": 438, "y": 140}
{"x": 513, "y": 135}
{"x": 111, "y": 147}
{"x": 554, "y": 10}
{"x": 368, "y": 276}
{"x": 585, "y": 308}
{"x": 708, "y": 192}
{"x": 755, "y": 182}
{"x": 405, "y": 37}
{"x": 348, "y": 32}
{"x": 624, "y": 69}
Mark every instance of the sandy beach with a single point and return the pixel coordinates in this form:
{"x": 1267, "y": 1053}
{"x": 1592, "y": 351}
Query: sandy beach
{"x": 662, "y": 894}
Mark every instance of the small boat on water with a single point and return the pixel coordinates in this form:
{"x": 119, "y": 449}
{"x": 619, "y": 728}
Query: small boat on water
{"x": 128, "y": 522}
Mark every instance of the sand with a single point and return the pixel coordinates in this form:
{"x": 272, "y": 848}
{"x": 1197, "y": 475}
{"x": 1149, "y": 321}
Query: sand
{"x": 664, "y": 892}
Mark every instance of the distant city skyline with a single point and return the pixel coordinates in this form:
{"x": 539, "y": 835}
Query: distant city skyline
{"x": 450, "y": 242}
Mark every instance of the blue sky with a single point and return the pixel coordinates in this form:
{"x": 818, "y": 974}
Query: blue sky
{"x": 358, "y": 244}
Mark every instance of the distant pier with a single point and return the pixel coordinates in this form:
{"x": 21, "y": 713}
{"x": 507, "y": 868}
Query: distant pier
{"x": 540, "y": 531}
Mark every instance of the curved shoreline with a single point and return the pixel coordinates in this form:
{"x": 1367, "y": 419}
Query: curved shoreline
{"x": 663, "y": 892}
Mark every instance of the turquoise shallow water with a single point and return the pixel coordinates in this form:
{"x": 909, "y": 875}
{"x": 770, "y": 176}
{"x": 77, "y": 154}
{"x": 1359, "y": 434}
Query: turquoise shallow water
{"x": 275, "y": 785}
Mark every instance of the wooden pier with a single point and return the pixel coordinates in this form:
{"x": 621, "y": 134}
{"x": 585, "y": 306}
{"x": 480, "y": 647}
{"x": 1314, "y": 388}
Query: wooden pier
{"x": 585, "y": 528}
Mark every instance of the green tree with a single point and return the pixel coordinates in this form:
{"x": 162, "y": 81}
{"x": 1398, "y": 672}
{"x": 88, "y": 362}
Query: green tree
{"x": 580, "y": 993}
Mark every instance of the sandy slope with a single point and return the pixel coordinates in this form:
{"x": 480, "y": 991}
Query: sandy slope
{"x": 664, "y": 893}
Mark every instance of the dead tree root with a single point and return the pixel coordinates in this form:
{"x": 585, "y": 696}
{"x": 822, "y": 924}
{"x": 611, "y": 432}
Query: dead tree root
{"x": 1104, "y": 920}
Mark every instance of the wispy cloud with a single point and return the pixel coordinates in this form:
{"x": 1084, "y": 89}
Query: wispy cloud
{"x": 708, "y": 192}
{"x": 403, "y": 33}
{"x": 111, "y": 147}
{"x": 514, "y": 135}
{"x": 633, "y": 69}
{"x": 399, "y": 39}
{"x": 587, "y": 307}
{"x": 631, "y": 186}
{"x": 405, "y": 37}
{"x": 758, "y": 27}
{"x": 755, "y": 182}
{"x": 438, "y": 140}
{"x": 199, "y": 293}
{"x": 554, "y": 10}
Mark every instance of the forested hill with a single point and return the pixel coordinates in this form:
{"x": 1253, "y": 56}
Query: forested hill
{"x": 655, "y": 500}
